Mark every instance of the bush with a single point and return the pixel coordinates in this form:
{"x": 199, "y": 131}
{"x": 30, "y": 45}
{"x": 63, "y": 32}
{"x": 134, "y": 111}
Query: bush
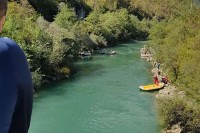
{"x": 37, "y": 79}
{"x": 98, "y": 40}
{"x": 63, "y": 71}
{"x": 177, "y": 110}
{"x": 66, "y": 17}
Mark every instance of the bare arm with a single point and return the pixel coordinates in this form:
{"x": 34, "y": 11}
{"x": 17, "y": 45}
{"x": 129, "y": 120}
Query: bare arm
{"x": 3, "y": 10}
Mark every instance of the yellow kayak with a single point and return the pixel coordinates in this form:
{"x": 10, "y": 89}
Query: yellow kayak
{"x": 151, "y": 87}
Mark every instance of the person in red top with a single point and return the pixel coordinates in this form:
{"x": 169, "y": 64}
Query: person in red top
{"x": 155, "y": 77}
{"x": 165, "y": 80}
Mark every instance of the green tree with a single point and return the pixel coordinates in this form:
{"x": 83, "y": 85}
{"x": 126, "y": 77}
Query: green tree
{"x": 66, "y": 16}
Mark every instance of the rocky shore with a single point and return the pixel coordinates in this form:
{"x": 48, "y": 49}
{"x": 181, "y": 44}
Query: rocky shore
{"x": 174, "y": 129}
{"x": 168, "y": 92}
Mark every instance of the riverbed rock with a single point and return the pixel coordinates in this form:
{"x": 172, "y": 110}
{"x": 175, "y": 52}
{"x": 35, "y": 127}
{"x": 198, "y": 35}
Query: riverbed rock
{"x": 174, "y": 129}
{"x": 169, "y": 91}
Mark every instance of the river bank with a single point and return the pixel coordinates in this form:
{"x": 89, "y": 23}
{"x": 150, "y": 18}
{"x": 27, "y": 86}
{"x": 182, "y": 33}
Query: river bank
{"x": 169, "y": 92}
{"x": 177, "y": 112}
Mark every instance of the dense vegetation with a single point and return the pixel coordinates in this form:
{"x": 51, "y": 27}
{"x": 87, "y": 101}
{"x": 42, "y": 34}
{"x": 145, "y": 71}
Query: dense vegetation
{"x": 176, "y": 40}
{"x": 53, "y": 33}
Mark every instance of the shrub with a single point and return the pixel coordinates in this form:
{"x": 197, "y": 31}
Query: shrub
{"x": 37, "y": 79}
{"x": 66, "y": 17}
{"x": 65, "y": 71}
{"x": 178, "y": 110}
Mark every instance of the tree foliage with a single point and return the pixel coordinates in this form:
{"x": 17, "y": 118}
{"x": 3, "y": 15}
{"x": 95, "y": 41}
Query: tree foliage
{"x": 175, "y": 40}
{"x": 52, "y": 36}
{"x": 66, "y": 17}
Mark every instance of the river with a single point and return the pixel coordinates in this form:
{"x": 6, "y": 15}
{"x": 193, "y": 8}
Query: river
{"x": 102, "y": 97}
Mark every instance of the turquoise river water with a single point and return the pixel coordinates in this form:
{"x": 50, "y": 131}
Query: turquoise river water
{"x": 102, "y": 97}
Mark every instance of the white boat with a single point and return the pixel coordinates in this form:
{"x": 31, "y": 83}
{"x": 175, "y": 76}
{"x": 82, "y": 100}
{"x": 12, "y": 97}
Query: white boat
{"x": 112, "y": 52}
{"x": 85, "y": 53}
{"x": 146, "y": 55}
{"x": 146, "y": 52}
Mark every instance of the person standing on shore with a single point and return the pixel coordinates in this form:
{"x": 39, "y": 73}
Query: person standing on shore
{"x": 158, "y": 65}
{"x": 155, "y": 77}
{"x": 16, "y": 89}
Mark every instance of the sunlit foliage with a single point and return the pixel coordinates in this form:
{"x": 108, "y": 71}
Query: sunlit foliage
{"x": 176, "y": 42}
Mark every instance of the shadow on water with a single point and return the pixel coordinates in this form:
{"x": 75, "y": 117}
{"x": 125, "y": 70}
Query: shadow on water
{"x": 150, "y": 91}
{"x": 82, "y": 69}
{"x": 86, "y": 69}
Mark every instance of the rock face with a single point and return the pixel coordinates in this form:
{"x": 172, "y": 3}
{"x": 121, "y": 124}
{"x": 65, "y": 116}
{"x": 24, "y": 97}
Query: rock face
{"x": 174, "y": 129}
{"x": 169, "y": 91}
